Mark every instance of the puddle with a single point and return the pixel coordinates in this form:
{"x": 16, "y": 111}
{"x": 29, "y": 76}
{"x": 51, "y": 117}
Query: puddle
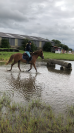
{"x": 52, "y": 86}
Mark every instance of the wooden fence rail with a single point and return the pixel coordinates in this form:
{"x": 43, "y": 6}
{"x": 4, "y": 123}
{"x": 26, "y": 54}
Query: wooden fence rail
{"x": 52, "y": 62}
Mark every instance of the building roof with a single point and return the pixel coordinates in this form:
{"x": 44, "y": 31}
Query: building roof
{"x": 18, "y": 36}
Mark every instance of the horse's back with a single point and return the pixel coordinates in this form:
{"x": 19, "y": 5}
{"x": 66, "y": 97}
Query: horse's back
{"x": 17, "y": 56}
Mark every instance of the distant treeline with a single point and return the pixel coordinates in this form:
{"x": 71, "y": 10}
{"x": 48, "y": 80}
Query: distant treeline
{"x": 59, "y": 44}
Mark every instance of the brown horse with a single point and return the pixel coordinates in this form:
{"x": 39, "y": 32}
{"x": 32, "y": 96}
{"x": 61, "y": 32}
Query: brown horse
{"x": 18, "y": 58}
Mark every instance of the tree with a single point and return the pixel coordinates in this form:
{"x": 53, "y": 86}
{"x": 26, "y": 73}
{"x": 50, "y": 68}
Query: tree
{"x": 5, "y": 43}
{"x": 33, "y": 47}
{"x": 23, "y": 46}
{"x": 24, "y": 42}
{"x": 47, "y": 46}
{"x": 65, "y": 47}
{"x": 59, "y": 44}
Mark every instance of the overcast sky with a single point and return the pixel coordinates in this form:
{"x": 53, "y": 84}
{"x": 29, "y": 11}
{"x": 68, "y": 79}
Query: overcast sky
{"x": 50, "y": 19}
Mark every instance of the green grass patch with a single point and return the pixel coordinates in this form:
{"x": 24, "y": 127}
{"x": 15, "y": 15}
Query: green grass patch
{"x": 61, "y": 56}
{"x": 4, "y": 56}
{"x": 36, "y": 117}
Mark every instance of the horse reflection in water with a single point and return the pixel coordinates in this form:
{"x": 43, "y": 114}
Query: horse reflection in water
{"x": 18, "y": 58}
{"x": 26, "y": 86}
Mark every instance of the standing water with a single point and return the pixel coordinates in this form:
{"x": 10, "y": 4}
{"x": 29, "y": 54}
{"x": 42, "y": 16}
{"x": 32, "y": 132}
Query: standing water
{"x": 50, "y": 85}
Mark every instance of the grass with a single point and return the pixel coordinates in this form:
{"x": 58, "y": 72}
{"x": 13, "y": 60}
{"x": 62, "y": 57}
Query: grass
{"x": 4, "y": 56}
{"x": 61, "y": 56}
{"x": 36, "y": 117}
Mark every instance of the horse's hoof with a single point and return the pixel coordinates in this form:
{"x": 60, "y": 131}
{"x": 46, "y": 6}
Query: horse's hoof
{"x": 8, "y": 70}
{"x": 21, "y": 71}
{"x": 28, "y": 70}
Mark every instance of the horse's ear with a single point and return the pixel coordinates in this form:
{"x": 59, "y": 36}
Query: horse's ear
{"x": 41, "y": 50}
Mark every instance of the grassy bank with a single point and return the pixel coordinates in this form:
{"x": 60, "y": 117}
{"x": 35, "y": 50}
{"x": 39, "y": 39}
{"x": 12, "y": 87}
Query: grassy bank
{"x": 4, "y": 56}
{"x": 33, "y": 118}
{"x": 59, "y": 56}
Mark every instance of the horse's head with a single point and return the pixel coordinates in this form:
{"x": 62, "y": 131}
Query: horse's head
{"x": 41, "y": 54}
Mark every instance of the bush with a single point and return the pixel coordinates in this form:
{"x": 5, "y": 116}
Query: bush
{"x": 47, "y": 47}
{"x": 33, "y": 46}
{"x": 5, "y": 43}
{"x": 24, "y": 42}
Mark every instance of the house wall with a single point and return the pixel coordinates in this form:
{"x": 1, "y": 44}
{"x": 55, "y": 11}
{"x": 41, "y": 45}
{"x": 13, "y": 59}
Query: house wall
{"x": 43, "y": 44}
{"x": 0, "y": 40}
{"x": 36, "y": 43}
{"x": 12, "y": 42}
{"x": 40, "y": 44}
{"x": 16, "y": 42}
{"x": 20, "y": 42}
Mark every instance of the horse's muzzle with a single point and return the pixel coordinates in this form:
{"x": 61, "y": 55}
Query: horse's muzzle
{"x": 42, "y": 57}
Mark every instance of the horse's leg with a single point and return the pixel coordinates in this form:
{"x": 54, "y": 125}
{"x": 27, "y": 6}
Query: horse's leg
{"x": 35, "y": 67}
{"x": 19, "y": 65}
{"x": 12, "y": 65}
{"x": 30, "y": 67}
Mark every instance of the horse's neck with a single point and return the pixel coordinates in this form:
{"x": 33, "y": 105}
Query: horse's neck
{"x": 36, "y": 56}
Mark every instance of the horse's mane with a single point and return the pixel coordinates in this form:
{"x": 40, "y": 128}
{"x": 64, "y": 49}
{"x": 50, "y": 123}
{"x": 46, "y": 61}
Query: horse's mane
{"x": 36, "y": 52}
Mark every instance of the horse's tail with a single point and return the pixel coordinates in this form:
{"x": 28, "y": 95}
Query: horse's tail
{"x": 11, "y": 58}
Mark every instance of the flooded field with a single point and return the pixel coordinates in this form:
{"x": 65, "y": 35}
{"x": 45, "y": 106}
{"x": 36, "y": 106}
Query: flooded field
{"x": 51, "y": 86}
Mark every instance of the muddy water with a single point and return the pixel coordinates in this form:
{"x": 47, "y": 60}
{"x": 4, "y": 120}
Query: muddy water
{"x": 52, "y": 86}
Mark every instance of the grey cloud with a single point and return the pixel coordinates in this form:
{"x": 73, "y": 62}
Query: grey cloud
{"x": 52, "y": 19}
